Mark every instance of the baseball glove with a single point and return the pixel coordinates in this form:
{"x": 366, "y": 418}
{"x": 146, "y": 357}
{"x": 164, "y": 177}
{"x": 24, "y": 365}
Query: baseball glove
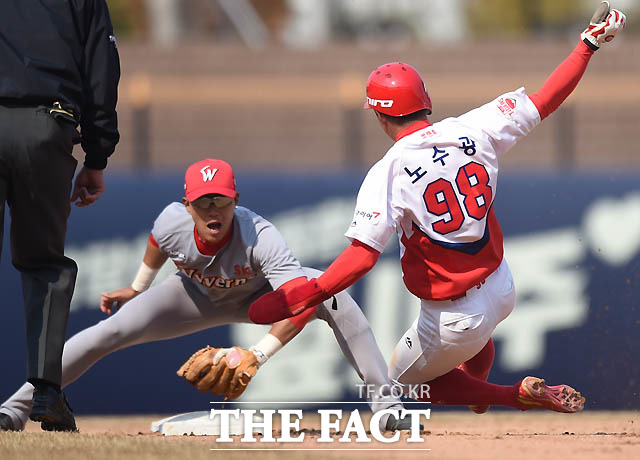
{"x": 225, "y": 371}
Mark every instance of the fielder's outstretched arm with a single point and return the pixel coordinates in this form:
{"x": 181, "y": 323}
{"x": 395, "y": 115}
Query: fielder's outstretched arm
{"x": 153, "y": 260}
{"x": 282, "y": 332}
{"x": 279, "y": 335}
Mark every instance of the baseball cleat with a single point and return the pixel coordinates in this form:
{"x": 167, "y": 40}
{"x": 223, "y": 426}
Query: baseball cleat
{"x": 403, "y": 424}
{"x": 6, "y": 424}
{"x": 535, "y": 394}
{"x": 50, "y": 407}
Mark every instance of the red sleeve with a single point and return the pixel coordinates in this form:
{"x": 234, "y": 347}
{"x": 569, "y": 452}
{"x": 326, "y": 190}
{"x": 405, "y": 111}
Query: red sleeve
{"x": 562, "y": 81}
{"x": 294, "y": 297}
{"x": 153, "y": 241}
{"x": 301, "y": 319}
{"x": 351, "y": 265}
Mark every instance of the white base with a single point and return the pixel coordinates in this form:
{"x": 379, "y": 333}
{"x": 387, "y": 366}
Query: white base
{"x": 199, "y": 424}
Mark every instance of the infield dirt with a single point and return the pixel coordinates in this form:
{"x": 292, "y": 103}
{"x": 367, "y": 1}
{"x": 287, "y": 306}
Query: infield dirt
{"x": 449, "y": 435}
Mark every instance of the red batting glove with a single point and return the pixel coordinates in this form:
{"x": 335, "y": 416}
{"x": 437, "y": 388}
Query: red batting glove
{"x": 278, "y": 305}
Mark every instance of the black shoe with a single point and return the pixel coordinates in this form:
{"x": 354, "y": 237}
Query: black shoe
{"x": 6, "y": 424}
{"x": 403, "y": 424}
{"x": 50, "y": 407}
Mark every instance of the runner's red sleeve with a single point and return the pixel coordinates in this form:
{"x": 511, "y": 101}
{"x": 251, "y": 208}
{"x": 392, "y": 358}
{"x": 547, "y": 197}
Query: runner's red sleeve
{"x": 348, "y": 268}
{"x": 153, "y": 241}
{"x": 301, "y": 319}
{"x": 351, "y": 265}
{"x": 562, "y": 81}
{"x": 280, "y": 304}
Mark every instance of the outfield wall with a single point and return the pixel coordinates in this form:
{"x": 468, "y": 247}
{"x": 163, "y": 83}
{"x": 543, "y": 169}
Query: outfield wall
{"x": 573, "y": 244}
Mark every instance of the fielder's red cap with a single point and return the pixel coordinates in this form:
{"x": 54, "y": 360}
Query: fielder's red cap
{"x": 209, "y": 176}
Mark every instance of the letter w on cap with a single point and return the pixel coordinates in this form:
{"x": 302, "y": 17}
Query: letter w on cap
{"x": 207, "y": 174}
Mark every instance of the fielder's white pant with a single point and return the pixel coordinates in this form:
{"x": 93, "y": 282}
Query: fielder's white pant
{"x": 450, "y": 332}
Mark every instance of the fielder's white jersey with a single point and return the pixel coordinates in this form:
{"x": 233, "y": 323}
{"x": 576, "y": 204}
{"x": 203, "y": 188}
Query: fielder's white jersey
{"x": 255, "y": 255}
{"x": 435, "y": 188}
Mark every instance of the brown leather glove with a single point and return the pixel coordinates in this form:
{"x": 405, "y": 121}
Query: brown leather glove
{"x": 225, "y": 371}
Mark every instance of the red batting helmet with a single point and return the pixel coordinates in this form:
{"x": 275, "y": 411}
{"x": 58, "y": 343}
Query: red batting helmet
{"x": 397, "y": 89}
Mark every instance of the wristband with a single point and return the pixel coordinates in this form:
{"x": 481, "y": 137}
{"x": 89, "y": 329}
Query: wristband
{"x": 268, "y": 346}
{"x": 144, "y": 277}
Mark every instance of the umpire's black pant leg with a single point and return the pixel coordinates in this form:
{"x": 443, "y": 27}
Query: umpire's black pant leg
{"x": 4, "y": 184}
{"x": 40, "y": 208}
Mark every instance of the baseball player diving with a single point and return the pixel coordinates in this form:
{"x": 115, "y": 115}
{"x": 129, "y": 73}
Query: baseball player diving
{"x": 435, "y": 188}
{"x": 227, "y": 256}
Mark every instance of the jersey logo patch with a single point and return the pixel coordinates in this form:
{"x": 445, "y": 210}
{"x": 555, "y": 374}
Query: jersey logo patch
{"x": 428, "y": 133}
{"x": 507, "y": 105}
{"x": 242, "y": 271}
{"x": 370, "y": 216}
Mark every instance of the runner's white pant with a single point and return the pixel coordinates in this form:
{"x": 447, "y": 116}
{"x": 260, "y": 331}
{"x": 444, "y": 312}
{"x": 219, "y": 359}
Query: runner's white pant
{"x": 175, "y": 308}
{"x": 450, "y": 332}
